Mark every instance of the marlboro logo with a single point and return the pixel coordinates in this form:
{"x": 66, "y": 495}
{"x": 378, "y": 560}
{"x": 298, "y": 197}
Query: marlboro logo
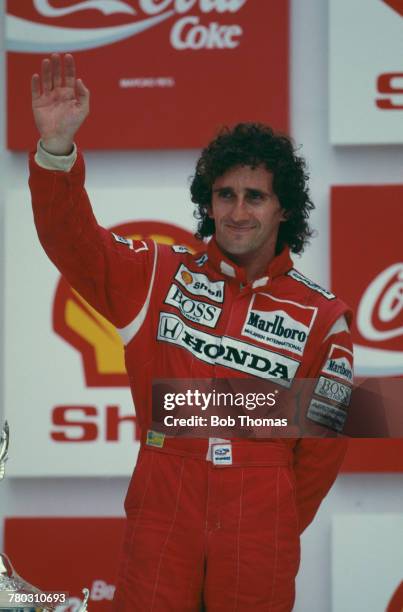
{"x": 339, "y": 363}
{"x": 279, "y": 323}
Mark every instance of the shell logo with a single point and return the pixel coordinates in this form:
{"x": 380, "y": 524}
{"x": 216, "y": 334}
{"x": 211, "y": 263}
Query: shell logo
{"x": 187, "y": 278}
{"x": 91, "y": 334}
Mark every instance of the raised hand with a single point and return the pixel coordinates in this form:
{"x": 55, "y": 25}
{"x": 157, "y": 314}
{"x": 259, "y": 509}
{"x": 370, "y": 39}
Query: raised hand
{"x": 60, "y": 103}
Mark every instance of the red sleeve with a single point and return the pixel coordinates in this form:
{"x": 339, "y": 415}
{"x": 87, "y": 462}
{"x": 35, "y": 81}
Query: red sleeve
{"x": 318, "y": 460}
{"x": 110, "y": 273}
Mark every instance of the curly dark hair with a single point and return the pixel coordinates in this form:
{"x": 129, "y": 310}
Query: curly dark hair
{"x": 254, "y": 144}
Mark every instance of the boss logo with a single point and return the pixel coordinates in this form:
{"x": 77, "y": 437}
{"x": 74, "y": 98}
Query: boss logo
{"x": 194, "y": 310}
{"x": 333, "y": 390}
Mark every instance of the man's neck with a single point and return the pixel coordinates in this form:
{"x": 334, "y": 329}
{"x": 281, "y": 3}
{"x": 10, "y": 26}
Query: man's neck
{"x": 255, "y": 267}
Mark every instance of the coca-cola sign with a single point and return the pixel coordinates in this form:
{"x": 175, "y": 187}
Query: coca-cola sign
{"x": 166, "y": 66}
{"x": 187, "y": 32}
{"x": 367, "y": 272}
{"x": 381, "y": 306}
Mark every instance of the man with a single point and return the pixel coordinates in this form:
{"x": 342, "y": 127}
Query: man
{"x": 200, "y": 533}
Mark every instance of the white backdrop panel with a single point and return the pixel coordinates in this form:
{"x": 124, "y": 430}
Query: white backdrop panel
{"x": 367, "y": 561}
{"x": 366, "y": 41}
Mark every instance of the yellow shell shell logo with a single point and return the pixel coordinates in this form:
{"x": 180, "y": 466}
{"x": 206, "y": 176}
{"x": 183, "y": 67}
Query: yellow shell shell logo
{"x": 89, "y": 332}
{"x": 187, "y": 278}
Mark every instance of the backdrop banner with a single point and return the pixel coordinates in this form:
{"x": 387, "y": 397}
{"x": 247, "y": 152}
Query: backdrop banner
{"x": 162, "y": 73}
{"x": 366, "y": 71}
{"x": 65, "y": 554}
{"x": 367, "y": 272}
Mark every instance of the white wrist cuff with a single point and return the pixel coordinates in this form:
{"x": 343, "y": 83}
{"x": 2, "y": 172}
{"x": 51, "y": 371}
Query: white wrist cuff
{"x": 55, "y": 162}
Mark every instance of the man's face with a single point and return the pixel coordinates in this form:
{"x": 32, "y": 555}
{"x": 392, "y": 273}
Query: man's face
{"x": 247, "y": 214}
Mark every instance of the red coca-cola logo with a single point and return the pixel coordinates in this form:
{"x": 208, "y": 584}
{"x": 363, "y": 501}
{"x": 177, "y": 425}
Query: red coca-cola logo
{"x": 367, "y": 272}
{"x": 379, "y": 323}
{"x": 380, "y": 312}
{"x": 88, "y": 24}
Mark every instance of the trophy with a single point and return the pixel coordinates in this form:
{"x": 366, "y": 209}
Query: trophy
{"x": 4, "y": 449}
{"x": 15, "y": 592}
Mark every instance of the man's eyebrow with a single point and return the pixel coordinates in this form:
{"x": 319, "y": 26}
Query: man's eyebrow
{"x": 223, "y": 188}
{"x": 248, "y": 190}
{"x": 252, "y": 189}
{"x": 256, "y": 190}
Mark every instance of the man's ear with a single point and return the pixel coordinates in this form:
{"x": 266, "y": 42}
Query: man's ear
{"x": 285, "y": 214}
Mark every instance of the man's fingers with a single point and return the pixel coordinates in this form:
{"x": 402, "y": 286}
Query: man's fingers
{"x": 69, "y": 71}
{"x": 46, "y": 75}
{"x": 56, "y": 70}
{"x": 35, "y": 87}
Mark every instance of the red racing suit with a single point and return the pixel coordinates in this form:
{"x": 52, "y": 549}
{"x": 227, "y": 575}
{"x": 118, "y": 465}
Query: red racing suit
{"x": 200, "y": 534}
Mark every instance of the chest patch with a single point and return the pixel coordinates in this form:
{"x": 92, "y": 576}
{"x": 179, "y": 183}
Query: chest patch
{"x": 194, "y": 310}
{"x": 197, "y": 283}
{"x": 226, "y": 351}
{"x": 281, "y": 324}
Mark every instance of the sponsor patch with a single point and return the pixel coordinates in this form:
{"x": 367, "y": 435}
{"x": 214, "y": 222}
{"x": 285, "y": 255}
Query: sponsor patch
{"x": 155, "y": 438}
{"x": 279, "y": 323}
{"x": 227, "y": 352}
{"x": 221, "y": 454}
{"x": 327, "y": 415}
{"x": 311, "y": 284}
{"x": 192, "y": 309}
{"x": 333, "y": 390}
{"x": 339, "y": 363}
{"x": 178, "y": 248}
{"x": 202, "y": 260}
{"x": 199, "y": 284}
{"x": 127, "y": 241}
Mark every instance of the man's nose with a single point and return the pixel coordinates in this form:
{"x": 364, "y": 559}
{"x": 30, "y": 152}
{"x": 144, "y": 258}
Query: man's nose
{"x": 239, "y": 210}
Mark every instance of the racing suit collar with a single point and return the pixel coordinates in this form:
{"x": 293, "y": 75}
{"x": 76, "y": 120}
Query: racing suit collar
{"x": 281, "y": 264}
